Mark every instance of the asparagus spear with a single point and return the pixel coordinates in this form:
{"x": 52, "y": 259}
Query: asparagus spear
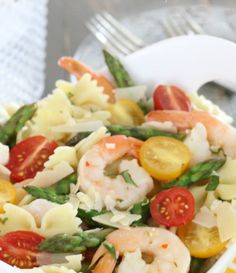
{"x": 88, "y": 215}
{"x": 117, "y": 70}
{"x": 141, "y": 133}
{"x": 76, "y": 243}
{"x": 199, "y": 172}
{"x": 46, "y": 193}
{"x": 77, "y": 138}
{"x": 56, "y": 193}
{"x": 137, "y": 132}
{"x": 10, "y": 129}
{"x": 142, "y": 208}
{"x": 63, "y": 186}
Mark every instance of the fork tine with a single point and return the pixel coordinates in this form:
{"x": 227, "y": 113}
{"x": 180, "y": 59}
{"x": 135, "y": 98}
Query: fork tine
{"x": 124, "y": 31}
{"x": 103, "y": 39}
{"x": 102, "y": 32}
{"x": 119, "y": 37}
{"x": 193, "y": 24}
{"x": 171, "y": 26}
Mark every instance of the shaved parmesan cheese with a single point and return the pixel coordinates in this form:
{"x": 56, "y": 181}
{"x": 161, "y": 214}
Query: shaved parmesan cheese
{"x": 4, "y": 154}
{"x": 226, "y": 221}
{"x": 132, "y": 262}
{"x": 166, "y": 126}
{"x": 134, "y": 93}
{"x": 117, "y": 219}
{"x": 88, "y": 126}
{"x": 227, "y": 173}
{"x": 205, "y": 218}
{"x": 47, "y": 178}
{"x": 199, "y": 193}
{"x": 198, "y": 144}
{"x": 62, "y": 153}
{"x": 49, "y": 269}
{"x": 226, "y": 192}
{"x": 84, "y": 145}
{"x": 201, "y": 103}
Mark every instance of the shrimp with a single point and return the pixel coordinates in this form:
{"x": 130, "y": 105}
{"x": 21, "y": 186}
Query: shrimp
{"x": 218, "y": 133}
{"x": 107, "y": 152}
{"x": 78, "y": 69}
{"x": 165, "y": 250}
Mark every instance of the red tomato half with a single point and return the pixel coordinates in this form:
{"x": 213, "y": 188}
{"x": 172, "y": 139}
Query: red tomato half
{"x": 28, "y": 156}
{"x": 173, "y": 207}
{"x": 18, "y": 248}
{"x": 171, "y": 98}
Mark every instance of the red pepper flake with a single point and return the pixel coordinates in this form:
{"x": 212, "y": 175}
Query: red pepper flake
{"x": 87, "y": 164}
{"x": 164, "y": 246}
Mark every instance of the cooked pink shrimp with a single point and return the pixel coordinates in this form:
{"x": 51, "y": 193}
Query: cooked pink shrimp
{"x": 168, "y": 254}
{"x": 108, "y": 151}
{"x": 78, "y": 69}
{"x": 219, "y": 133}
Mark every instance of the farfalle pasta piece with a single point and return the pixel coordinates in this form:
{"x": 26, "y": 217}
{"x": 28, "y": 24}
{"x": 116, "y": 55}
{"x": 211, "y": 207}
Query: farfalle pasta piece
{"x": 53, "y": 222}
{"x": 63, "y": 153}
{"x": 54, "y": 110}
{"x": 85, "y": 92}
{"x": 49, "y": 269}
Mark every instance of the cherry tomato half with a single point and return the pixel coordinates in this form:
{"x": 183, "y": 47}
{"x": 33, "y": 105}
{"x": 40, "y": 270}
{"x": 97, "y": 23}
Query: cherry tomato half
{"x": 18, "y": 248}
{"x": 28, "y": 156}
{"x": 164, "y": 158}
{"x": 173, "y": 207}
{"x": 7, "y": 193}
{"x": 171, "y": 98}
{"x": 202, "y": 242}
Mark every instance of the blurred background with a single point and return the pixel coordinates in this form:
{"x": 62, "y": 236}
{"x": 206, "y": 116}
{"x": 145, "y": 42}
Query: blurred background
{"x": 35, "y": 34}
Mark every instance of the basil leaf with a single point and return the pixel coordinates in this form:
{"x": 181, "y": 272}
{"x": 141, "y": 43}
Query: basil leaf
{"x": 127, "y": 177}
{"x": 111, "y": 249}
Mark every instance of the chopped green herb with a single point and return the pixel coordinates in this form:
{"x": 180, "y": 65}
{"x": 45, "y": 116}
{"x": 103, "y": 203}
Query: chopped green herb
{"x": 111, "y": 249}
{"x": 70, "y": 95}
{"x": 127, "y": 177}
{"x": 213, "y": 183}
{"x": 3, "y": 220}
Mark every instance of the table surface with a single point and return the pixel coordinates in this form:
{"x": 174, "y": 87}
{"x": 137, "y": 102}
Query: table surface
{"x": 66, "y": 27}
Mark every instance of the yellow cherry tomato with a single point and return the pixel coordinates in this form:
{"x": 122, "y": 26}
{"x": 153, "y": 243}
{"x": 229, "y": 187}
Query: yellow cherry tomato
{"x": 7, "y": 193}
{"x": 202, "y": 242}
{"x": 164, "y": 158}
{"x": 126, "y": 112}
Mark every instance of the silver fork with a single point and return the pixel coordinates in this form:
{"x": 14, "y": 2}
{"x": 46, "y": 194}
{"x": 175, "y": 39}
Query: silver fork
{"x": 113, "y": 35}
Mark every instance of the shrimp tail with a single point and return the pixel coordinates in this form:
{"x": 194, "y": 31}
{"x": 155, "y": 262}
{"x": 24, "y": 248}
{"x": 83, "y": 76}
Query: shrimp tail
{"x": 101, "y": 251}
{"x": 78, "y": 69}
{"x": 106, "y": 264}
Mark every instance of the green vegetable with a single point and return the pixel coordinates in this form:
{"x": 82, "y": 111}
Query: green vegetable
{"x": 63, "y": 186}
{"x": 142, "y": 208}
{"x": 3, "y": 220}
{"x": 87, "y": 216}
{"x": 56, "y": 193}
{"x": 77, "y": 243}
{"x": 111, "y": 249}
{"x": 127, "y": 177}
{"x": 10, "y": 129}
{"x": 137, "y": 132}
{"x": 77, "y": 138}
{"x": 46, "y": 193}
{"x": 213, "y": 183}
{"x": 141, "y": 133}
{"x": 199, "y": 172}
{"x": 196, "y": 264}
{"x": 117, "y": 70}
